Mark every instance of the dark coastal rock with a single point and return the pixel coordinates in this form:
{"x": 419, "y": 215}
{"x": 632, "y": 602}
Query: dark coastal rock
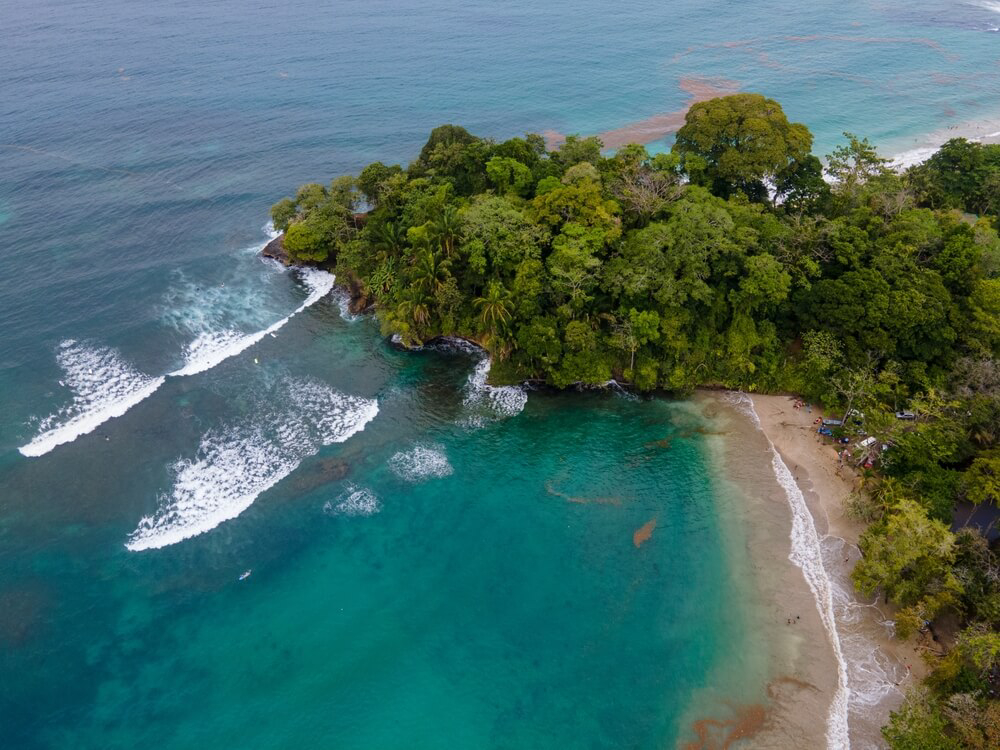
{"x": 360, "y": 302}
{"x": 276, "y": 249}
{"x": 319, "y": 472}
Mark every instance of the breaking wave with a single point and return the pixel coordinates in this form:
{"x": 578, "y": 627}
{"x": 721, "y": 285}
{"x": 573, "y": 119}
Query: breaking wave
{"x": 993, "y": 5}
{"x": 487, "y": 401}
{"x": 354, "y": 501}
{"x": 343, "y": 300}
{"x": 421, "y": 462}
{"x": 212, "y": 347}
{"x": 104, "y": 386}
{"x": 235, "y": 465}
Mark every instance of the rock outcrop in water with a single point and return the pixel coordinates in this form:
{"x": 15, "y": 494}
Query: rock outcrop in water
{"x": 276, "y": 249}
{"x": 320, "y": 472}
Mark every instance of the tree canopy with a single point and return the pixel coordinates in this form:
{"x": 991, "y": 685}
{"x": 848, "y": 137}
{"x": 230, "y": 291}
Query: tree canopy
{"x": 741, "y": 143}
{"x": 729, "y": 261}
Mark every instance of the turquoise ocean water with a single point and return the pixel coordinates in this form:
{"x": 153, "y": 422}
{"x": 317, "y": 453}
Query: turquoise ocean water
{"x": 434, "y": 563}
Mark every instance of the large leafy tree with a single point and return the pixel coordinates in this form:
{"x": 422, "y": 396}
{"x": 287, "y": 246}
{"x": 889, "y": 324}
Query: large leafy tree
{"x": 740, "y": 143}
{"x": 911, "y": 561}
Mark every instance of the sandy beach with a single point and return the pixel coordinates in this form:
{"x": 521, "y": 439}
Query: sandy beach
{"x": 889, "y": 664}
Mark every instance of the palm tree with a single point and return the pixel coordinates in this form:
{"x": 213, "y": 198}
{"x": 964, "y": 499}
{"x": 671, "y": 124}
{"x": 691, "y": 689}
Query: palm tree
{"x": 429, "y": 272}
{"x": 495, "y": 314}
{"x": 389, "y": 240}
{"x": 447, "y": 228}
{"x": 415, "y": 307}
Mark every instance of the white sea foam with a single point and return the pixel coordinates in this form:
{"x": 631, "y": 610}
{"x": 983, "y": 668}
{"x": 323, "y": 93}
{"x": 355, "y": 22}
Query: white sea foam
{"x": 455, "y": 344}
{"x": 807, "y": 554}
{"x": 421, "y": 462}
{"x": 489, "y": 401}
{"x": 104, "y": 386}
{"x": 354, "y": 501}
{"x": 235, "y": 465}
{"x": 212, "y": 347}
{"x": 872, "y": 676}
{"x": 912, "y": 157}
{"x": 343, "y": 300}
{"x": 929, "y": 144}
{"x": 620, "y": 390}
{"x": 993, "y": 5}
{"x": 272, "y": 234}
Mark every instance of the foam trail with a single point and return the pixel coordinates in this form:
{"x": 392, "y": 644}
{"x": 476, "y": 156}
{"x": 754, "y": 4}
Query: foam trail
{"x": 235, "y": 465}
{"x": 211, "y": 348}
{"x": 807, "y": 554}
{"x": 104, "y": 386}
{"x": 497, "y": 402}
{"x": 993, "y": 5}
{"x": 421, "y": 462}
{"x": 873, "y": 676}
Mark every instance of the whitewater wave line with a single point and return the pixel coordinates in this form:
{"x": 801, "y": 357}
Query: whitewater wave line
{"x": 234, "y": 465}
{"x": 807, "y": 554}
{"x": 105, "y": 386}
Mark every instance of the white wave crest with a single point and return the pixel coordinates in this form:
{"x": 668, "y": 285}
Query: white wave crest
{"x": 807, "y": 554}
{"x": 421, "y": 462}
{"x": 235, "y": 465}
{"x": 104, "y": 386}
{"x": 212, "y": 347}
{"x": 492, "y": 401}
{"x": 993, "y": 5}
{"x": 354, "y": 501}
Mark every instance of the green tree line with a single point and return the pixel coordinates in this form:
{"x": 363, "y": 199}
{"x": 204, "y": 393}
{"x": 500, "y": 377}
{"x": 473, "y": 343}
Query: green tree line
{"x": 737, "y": 259}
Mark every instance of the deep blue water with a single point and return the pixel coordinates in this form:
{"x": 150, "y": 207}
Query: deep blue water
{"x": 141, "y": 145}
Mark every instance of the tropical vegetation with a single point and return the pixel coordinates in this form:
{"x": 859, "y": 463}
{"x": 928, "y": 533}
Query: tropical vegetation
{"x": 737, "y": 259}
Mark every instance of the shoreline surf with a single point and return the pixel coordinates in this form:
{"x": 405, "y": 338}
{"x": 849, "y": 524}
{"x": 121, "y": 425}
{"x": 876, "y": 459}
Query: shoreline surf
{"x": 806, "y": 553}
{"x": 875, "y": 664}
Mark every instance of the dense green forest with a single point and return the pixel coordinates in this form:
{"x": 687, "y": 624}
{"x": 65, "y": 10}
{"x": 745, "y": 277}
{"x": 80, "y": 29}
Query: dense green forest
{"x": 737, "y": 259}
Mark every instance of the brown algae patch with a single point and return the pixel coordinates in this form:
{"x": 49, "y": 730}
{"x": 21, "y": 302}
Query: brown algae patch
{"x": 718, "y": 734}
{"x": 659, "y": 126}
{"x": 643, "y": 533}
{"x": 550, "y": 487}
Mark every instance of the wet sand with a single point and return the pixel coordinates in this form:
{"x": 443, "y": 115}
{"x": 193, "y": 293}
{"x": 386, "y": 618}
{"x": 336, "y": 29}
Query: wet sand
{"x": 793, "y": 687}
{"x": 880, "y": 665}
{"x": 775, "y": 689}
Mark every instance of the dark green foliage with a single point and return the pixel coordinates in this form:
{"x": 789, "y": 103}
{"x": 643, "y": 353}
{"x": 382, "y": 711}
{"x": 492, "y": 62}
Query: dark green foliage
{"x": 871, "y": 294}
{"x": 675, "y": 284}
{"x": 736, "y": 143}
{"x": 963, "y": 175}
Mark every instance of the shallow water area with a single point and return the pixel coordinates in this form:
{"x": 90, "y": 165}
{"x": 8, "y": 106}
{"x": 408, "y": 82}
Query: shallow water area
{"x": 424, "y": 582}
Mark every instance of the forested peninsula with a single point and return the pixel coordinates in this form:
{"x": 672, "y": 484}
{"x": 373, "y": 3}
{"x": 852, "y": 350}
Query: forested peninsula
{"x": 738, "y": 259}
